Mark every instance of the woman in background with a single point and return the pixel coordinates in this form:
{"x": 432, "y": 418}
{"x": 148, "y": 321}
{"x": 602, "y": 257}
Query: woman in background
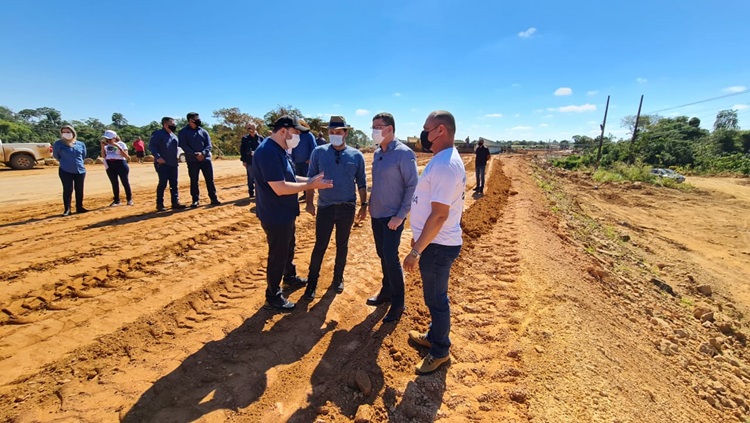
{"x": 115, "y": 154}
{"x": 70, "y": 153}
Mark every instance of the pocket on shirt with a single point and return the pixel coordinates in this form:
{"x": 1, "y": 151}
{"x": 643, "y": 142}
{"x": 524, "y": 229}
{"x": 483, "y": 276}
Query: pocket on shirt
{"x": 351, "y": 169}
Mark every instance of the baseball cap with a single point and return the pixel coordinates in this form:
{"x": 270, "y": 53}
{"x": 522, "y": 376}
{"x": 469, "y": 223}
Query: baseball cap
{"x": 287, "y": 121}
{"x": 109, "y": 134}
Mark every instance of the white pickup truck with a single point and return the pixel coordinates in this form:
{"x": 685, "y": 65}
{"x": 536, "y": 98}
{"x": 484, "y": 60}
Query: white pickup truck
{"x": 24, "y": 155}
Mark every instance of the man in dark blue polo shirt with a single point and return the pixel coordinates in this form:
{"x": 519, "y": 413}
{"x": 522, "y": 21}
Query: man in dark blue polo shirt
{"x": 163, "y": 145}
{"x": 302, "y": 152}
{"x": 248, "y": 144}
{"x": 345, "y": 166}
{"x": 196, "y": 143}
{"x": 277, "y": 207}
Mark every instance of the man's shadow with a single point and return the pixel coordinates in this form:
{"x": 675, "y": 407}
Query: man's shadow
{"x": 422, "y": 398}
{"x": 231, "y": 373}
{"x": 349, "y": 351}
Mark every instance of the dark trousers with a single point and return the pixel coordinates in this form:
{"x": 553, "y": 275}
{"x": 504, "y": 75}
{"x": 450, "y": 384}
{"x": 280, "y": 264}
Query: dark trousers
{"x": 194, "y": 168}
{"x": 342, "y": 217}
{"x": 250, "y": 179}
{"x": 435, "y": 268}
{"x": 480, "y": 176}
{"x": 166, "y": 174}
{"x": 281, "y": 242}
{"x": 71, "y": 181}
{"x": 386, "y": 245}
{"x": 301, "y": 168}
{"x": 119, "y": 169}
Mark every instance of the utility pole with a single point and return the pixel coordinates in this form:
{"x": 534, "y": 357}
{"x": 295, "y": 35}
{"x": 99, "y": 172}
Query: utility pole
{"x": 635, "y": 131}
{"x": 601, "y": 138}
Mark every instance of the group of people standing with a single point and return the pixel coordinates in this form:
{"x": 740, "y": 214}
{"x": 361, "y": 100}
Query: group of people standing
{"x": 164, "y": 143}
{"x": 291, "y": 161}
{"x": 337, "y": 172}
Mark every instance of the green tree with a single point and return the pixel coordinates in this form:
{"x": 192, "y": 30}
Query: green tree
{"x": 358, "y": 139}
{"x": 271, "y": 117}
{"x": 15, "y": 132}
{"x": 726, "y": 119}
{"x": 694, "y": 122}
{"x": 118, "y": 120}
{"x": 230, "y": 129}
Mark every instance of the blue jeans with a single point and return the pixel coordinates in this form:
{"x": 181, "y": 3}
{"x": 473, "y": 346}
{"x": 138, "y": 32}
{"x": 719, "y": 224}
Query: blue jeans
{"x": 480, "y": 176}
{"x": 386, "y": 245}
{"x": 166, "y": 174}
{"x": 196, "y": 167}
{"x": 342, "y": 217}
{"x": 435, "y": 267}
{"x": 119, "y": 169}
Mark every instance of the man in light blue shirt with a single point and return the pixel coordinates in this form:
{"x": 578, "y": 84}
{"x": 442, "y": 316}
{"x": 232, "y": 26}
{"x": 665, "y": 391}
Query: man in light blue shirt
{"x": 394, "y": 178}
{"x": 345, "y": 166}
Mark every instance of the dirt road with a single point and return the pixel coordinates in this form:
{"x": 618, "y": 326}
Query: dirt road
{"x": 122, "y": 314}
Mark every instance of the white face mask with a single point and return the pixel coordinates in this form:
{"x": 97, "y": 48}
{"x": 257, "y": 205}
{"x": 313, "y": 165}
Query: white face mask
{"x": 67, "y": 135}
{"x": 294, "y": 142}
{"x": 377, "y": 136}
{"x": 336, "y": 140}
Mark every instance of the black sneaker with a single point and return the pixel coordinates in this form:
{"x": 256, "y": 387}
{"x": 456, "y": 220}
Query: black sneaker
{"x": 81, "y": 210}
{"x": 161, "y": 208}
{"x": 195, "y": 204}
{"x": 178, "y": 206}
{"x": 66, "y": 212}
{"x": 215, "y": 202}
{"x": 338, "y": 284}
{"x": 310, "y": 292}
{"x": 293, "y": 282}
{"x": 282, "y": 305}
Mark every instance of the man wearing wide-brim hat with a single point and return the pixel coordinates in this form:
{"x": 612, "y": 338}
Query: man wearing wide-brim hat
{"x": 277, "y": 207}
{"x": 336, "y": 207}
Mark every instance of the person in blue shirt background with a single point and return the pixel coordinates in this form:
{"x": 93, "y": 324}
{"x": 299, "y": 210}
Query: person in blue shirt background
{"x": 196, "y": 143}
{"x": 277, "y": 207}
{"x": 248, "y": 145}
{"x": 345, "y": 166}
{"x": 70, "y": 153}
{"x": 163, "y": 145}
{"x": 301, "y": 153}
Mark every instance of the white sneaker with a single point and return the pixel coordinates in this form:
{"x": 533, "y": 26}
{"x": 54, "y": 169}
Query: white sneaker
{"x": 130, "y": 202}
{"x": 114, "y": 204}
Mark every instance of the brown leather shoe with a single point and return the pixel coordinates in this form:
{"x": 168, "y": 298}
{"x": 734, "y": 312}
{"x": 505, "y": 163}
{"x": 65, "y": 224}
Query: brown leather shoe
{"x": 429, "y": 364}
{"x": 419, "y": 338}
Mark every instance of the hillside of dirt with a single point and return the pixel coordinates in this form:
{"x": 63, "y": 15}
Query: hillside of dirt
{"x": 571, "y": 302}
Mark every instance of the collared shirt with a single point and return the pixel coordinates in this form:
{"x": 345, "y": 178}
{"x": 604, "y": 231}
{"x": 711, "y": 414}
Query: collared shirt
{"x": 346, "y": 168}
{"x": 273, "y": 164}
{"x": 248, "y": 144}
{"x": 442, "y": 181}
{"x": 482, "y": 154}
{"x": 194, "y": 141}
{"x": 70, "y": 157}
{"x": 163, "y": 145}
{"x": 302, "y": 152}
{"x": 138, "y": 145}
{"x": 394, "y": 178}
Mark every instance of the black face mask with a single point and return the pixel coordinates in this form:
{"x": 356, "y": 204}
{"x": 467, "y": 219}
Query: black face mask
{"x": 172, "y": 127}
{"x": 426, "y": 143}
{"x": 198, "y": 123}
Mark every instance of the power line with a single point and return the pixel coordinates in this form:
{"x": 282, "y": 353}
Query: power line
{"x": 701, "y": 101}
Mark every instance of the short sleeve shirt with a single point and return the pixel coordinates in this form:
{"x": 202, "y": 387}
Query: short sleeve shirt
{"x": 442, "y": 181}
{"x": 111, "y": 152}
{"x": 271, "y": 164}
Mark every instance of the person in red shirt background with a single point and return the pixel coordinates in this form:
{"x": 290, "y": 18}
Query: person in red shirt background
{"x": 140, "y": 149}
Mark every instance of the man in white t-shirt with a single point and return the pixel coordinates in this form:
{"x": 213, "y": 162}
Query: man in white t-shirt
{"x": 436, "y": 226}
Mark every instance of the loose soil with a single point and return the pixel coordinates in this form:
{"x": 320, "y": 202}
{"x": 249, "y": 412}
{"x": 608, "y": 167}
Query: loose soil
{"x": 570, "y": 301}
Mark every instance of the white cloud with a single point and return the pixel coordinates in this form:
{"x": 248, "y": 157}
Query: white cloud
{"x": 538, "y": 110}
{"x": 362, "y": 112}
{"x": 543, "y": 125}
{"x": 563, "y": 91}
{"x": 397, "y": 94}
{"x": 517, "y": 115}
{"x": 735, "y": 89}
{"x": 528, "y": 33}
{"x": 520, "y": 128}
{"x": 549, "y": 116}
{"x": 493, "y": 115}
{"x": 576, "y": 109}
{"x": 740, "y": 106}
{"x": 325, "y": 115}
{"x": 592, "y": 92}
{"x": 641, "y": 80}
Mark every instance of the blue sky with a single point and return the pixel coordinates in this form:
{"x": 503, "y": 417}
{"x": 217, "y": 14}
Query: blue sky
{"x": 507, "y": 70}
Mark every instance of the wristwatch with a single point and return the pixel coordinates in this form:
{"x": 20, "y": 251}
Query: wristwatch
{"x": 364, "y": 204}
{"x": 415, "y": 254}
